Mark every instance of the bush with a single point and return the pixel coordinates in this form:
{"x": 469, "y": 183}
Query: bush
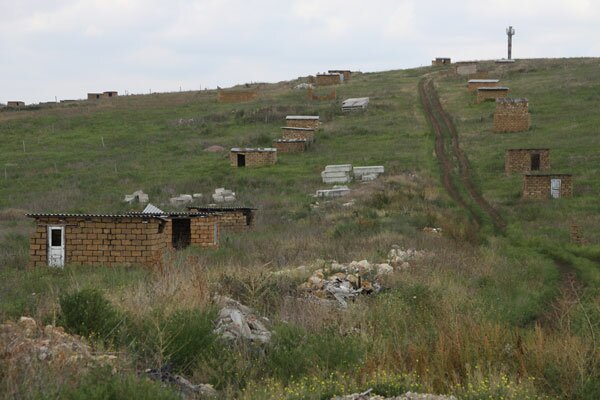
{"x": 88, "y": 313}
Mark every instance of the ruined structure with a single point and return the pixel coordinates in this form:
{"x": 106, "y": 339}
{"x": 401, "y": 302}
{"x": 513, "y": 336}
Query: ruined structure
{"x": 231, "y": 219}
{"x": 252, "y": 157}
{"x": 290, "y": 132}
{"x": 526, "y": 160}
{"x": 134, "y": 238}
{"x": 290, "y": 145}
{"x": 355, "y": 104}
{"x": 345, "y": 73}
{"x": 302, "y": 121}
{"x": 236, "y": 96}
{"x": 512, "y": 115}
{"x": 491, "y": 93}
{"x": 15, "y": 104}
{"x": 474, "y": 84}
{"x": 547, "y": 186}
{"x": 328, "y": 79}
{"x": 439, "y": 61}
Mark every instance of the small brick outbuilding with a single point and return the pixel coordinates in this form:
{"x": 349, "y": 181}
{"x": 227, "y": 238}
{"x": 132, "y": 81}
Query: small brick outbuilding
{"x": 491, "y": 93}
{"x": 346, "y": 73}
{"x": 511, "y": 115}
{"x": 231, "y": 219}
{"x": 252, "y": 157}
{"x": 104, "y": 239}
{"x": 302, "y": 121}
{"x": 441, "y": 61}
{"x": 474, "y": 84}
{"x": 547, "y": 186}
{"x": 526, "y": 160}
{"x": 290, "y": 145}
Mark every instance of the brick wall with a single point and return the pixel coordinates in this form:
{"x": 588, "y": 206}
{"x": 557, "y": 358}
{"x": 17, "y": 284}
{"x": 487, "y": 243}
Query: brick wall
{"x": 512, "y": 115}
{"x": 236, "y": 96}
{"x": 254, "y": 158}
{"x": 205, "y": 231}
{"x": 519, "y": 160}
{"x": 473, "y": 86}
{"x": 94, "y": 96}
{"x": 308, "y": 135}
{"x": 537, "y": 187}
{"x": 346, "y": 73}
{"x": 484, "y": 95}
{"x": 441, "y": 61}
{"x": 327, "y": 79}
{"x": 302, "y": 123}
{"x": 290, "y": 146}
{"x": 14, "y": 104}
{"x": 235, "y": 221}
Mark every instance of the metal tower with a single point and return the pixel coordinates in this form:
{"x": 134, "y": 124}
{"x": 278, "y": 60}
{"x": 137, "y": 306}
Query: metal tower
{"x": 510, "y": 32}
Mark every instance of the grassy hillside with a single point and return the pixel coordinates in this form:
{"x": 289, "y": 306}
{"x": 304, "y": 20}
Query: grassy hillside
{"x": 485, "y": 314}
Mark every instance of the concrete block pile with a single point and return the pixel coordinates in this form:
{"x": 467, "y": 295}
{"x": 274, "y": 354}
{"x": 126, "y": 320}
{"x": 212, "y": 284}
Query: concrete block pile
{"x": 136, "y": 197}
{"x": 222, "y": 195}
{"x": 369, "y": 173}
{"x": 337, "y": 173}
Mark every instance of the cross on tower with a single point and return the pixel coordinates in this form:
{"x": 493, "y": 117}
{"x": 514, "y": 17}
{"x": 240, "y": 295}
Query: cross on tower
{"x": 510, "y": 32}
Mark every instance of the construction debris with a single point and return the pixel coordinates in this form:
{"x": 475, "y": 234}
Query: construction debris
{"x": 137, "y": 197}
{"x": 355, "y": 104}
{"x": 180, "y": 200}
{"x": 368, "y": 173}
{"x": 337, "y": 173}
{"x": 406, "y": 396}
{"x": 183, "y": 385}
{"x": 222, "y": 195}
{"x": 337, "y": 191}
{"x": 236, "y": 321}
{"x": 401, "y": 258}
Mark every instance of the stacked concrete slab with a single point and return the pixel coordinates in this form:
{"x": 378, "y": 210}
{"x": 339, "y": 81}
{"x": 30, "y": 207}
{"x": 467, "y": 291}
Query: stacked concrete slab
{"x": 337, "y": 173}
{"x": 369, "y": 173}
{"x": 222, "y": 195}
{"x": 337, "y": 191}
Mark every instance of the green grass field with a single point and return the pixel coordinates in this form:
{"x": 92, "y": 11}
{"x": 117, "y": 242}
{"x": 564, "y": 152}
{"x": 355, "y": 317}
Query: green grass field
{"x": 486, "y": 316}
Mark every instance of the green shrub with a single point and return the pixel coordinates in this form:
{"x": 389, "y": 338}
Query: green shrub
{"x": 88, "y": 313}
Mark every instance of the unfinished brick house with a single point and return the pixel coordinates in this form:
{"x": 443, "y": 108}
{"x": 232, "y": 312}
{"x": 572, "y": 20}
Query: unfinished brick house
{"x": 491, "y": 93}
{"x": 290, "y": 132}
{"x": 134, "y": 238}
{"x": 547, "y": 186}
{"x": 511, "y": 115}
{"x": 231, "y": 219}
{"x": 236, "y": 96}
{"x": 474, "y": 84}
{"x": 252, "y": 157}
{"x": 345, "y": 73}
{"x": 94, "y": 96}
{"x": 15, "y": 104}
{"x": 526, "y": 160}
{"x": 110, "y": 94}
{"x": 328, "y": 79}
{"x": 439, "y": 61}
{"x": 302, "y": 121}
{"x": 290, "y": 145}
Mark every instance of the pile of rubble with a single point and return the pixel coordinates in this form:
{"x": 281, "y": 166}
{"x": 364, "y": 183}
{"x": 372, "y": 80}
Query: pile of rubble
{"x": 406, "y": 396}
{"x": 237, "y": 321}
{"x": 222, "y": 195}
{"x": 136, "y": 197}
{"x": 24, "y": 343}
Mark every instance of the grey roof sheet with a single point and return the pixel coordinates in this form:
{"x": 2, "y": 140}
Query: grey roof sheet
{"x": 302, "y": 117}
{"x": 484, "y": 80}
{"x": 253, "y": 150}
{"x": 356, "y": 102}
{"x": 295, "y": 128}
{"x": 493, "y": 88}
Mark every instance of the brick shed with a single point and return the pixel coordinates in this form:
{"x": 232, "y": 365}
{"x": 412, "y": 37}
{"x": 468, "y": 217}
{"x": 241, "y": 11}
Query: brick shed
{"x": 526, "y": 160}
{"x": 252, "y": 157}
{"x": 547, "y": 186}
{"x": 491, "y": 93}
{"x": 94, "y": 96}
{"x": 231, "y": 219}
{"x": 328, "y": 79}
{"x": 474, "y": 84}
{"x": 512, "y": 115}
{"x": 110, "y": 93}
{"x": 290, "y": 145}
{"x": 302, "y": 121}
{"x": 236, "y": 96}
{"x": 15, "y": 104}
{"x": 134, "y": 238}
{"x": 290, "y": 132}
{"x": 346, "y": 73}
{"x": 441, "y": 61}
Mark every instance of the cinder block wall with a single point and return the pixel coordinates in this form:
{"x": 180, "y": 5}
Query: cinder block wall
{"x": 205, "y": 231}
{"x": 473, "y": 86}
{"x": 101, "y": 241}
{"x": 289, "y": 147}
{"x": 254, "y": 158}
{"x": 327, "y": 80}
{"x": 302, "y": 123}
{"x": 231, "y": 96}
{"x": 309, "y": 136}
{"x": 483, "y": 95}
{"x": 235, "y": 221}
{"x": 519, "y": 160}
{"x": 537, "y": 187}
{"x": 512, "y": 116}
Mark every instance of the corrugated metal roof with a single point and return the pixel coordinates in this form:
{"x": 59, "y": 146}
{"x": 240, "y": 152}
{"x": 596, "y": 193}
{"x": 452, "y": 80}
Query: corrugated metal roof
{"x": 128, "y": 215}
{"x": 220, "y": 208}
{"x": 289, "y": 140}
{"x": 302, "y": 117}
{"x": 294, "y": 128}
{"x": 493, "y": 88}
{"x": 484, "y": 80}
{"x": 152, "y": 209}
{"x": 248, "y": 150}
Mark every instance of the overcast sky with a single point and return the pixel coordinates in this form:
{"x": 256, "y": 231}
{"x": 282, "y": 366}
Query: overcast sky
{"x": 66, "y": 48}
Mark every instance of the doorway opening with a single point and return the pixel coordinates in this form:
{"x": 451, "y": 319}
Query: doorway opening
{"x": 241, "y": 160}
{"x": 535, "y": 162}
{"x": 182, "y": 233}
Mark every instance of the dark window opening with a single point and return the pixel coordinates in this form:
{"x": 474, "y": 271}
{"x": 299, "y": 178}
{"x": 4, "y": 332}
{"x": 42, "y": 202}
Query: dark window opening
{"x": 535, "y": 162}
{"x": 249, "y": 218}
{"x": 241, "y": 160}
{"x": 55, "y": 237}
{"x": 182, "y": 234}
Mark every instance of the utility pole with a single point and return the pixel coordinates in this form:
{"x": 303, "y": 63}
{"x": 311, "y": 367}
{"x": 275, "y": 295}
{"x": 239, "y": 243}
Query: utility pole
{"x": 510, "y": 32}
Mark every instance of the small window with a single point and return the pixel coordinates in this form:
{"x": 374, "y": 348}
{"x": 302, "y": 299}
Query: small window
{"x": 56, "y": 237}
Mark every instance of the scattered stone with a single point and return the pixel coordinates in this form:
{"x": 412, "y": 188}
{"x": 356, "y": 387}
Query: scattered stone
{"x": 183, "y": 385}
{"x": 398, "y": 257}
{"x": 181, "y": 199}
{"x": 222, "y": 195}
{"x": 237, "y": 321}
{"x": 215, "y": 149}
{"x": 137, "y": 197}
